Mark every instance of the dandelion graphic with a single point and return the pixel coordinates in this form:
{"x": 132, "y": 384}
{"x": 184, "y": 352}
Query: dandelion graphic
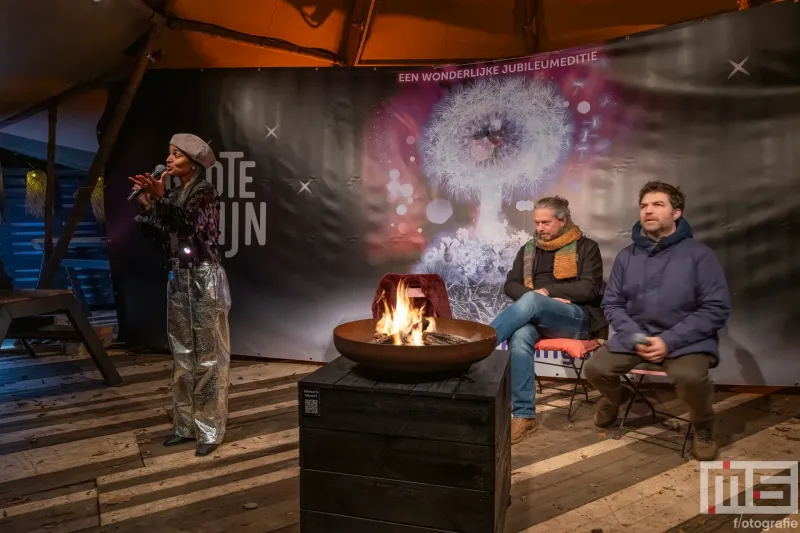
{"x": 491, "y": 141}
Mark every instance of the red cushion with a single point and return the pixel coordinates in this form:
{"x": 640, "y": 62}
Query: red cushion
{"x": 574, "y": 348}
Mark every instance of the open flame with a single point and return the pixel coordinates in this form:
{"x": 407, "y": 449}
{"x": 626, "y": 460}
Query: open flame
{"x": 405, "y": 323}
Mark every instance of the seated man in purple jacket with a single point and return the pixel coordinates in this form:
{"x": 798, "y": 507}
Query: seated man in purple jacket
{"x": 666, "y": 299}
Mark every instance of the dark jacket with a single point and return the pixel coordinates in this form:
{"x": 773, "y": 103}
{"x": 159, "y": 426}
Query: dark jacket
{"x": 674, "y": 289}
{"x": 586, "y": 290}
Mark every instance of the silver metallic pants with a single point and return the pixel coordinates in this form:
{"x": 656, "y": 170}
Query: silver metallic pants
{"x": 198, "y": 302}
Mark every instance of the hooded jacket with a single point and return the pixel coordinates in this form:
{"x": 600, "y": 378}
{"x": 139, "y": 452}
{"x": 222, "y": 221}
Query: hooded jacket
{"x": 674, "y": 289}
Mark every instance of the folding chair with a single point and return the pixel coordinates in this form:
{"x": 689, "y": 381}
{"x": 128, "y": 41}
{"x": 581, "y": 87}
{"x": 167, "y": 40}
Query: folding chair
{"x": 576, "y": 352}
{"x": 642, "y": 370}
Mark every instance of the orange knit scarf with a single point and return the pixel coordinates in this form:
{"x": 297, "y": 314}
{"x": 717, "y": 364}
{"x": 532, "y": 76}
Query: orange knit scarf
{"x": 565, "y": 262}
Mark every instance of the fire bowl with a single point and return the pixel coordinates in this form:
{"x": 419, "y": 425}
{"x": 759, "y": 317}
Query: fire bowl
{"x": 354, "y": 340}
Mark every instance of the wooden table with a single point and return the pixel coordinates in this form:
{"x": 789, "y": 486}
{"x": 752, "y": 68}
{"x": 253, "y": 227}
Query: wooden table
{"x": 405, "y": 458}
{"x": 22, "y": 304}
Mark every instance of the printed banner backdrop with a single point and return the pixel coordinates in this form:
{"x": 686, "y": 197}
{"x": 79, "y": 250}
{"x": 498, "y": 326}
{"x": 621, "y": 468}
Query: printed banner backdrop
{"x": 332, "y": 177}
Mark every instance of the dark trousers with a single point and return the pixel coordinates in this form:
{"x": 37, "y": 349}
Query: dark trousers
{"x": 688, "y": 373}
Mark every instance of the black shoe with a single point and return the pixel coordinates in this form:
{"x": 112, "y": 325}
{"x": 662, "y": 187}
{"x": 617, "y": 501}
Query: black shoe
{"x": 205, "y": 449}
{"x": 174, "y": 440}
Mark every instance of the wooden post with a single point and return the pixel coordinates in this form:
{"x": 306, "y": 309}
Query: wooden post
{"x": 530, "y": 23}
{"x": 533, "y": 23}
{"x": 50, "y": 190}
{"x": 100, "y": 158}
{"x": 355, "y": 36}
{"x": 539, "y": 24}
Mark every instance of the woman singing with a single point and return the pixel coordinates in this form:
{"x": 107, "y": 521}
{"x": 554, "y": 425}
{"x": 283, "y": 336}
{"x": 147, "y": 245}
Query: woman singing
{"x": 183, "y": 224}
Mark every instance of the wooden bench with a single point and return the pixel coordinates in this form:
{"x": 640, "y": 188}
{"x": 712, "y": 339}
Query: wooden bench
{"x": 24, "y": 315}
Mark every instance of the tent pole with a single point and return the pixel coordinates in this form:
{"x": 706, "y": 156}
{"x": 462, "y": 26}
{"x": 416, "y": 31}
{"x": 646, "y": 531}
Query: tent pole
{"x": 357, "y": 30}
{"x": 539, "y": 25}
{"x": 50, "y": 190}
{"x": 531, "y": 24}
{"x": 326, "y": 56}
{"x": 104, "y": 150}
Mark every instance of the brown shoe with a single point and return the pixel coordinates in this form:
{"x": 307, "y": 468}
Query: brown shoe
{"x": 521, "y": 426}
{"x": 606, "y": 412}
{"x": 704, "y": 445}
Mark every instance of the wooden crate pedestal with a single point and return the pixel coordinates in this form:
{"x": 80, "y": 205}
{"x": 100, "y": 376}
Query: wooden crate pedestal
{"x": 405, "y": 458}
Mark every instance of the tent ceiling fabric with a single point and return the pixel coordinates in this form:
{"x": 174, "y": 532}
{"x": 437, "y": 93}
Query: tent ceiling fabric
{"x": 51, "y": 45}
{"x": 59, "y": 44}
{"x": 424, "y": 30}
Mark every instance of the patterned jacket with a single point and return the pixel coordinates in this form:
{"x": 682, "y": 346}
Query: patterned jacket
{"x": 184, "y": 229}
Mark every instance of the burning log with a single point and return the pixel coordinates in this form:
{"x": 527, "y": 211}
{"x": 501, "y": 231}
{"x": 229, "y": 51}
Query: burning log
{"x": 407, "y": 325}
{"x": 437, "y": 338}
{"x": 429, "y": 338}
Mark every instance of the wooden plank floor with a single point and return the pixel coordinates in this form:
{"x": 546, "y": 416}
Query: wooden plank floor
{"x": 76, "y": 455}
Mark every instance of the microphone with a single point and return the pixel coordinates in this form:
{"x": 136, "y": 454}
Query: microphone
{"x": 160, "y": 169}
{"x": 639, "y": 338}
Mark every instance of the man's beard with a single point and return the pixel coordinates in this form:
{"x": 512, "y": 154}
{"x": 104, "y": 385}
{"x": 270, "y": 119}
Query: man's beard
{"x": 660, "y": 231}
{"x": 559, "y": 233}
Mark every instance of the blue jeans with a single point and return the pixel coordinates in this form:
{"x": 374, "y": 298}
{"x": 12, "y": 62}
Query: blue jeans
{"x": 525, "y": 322}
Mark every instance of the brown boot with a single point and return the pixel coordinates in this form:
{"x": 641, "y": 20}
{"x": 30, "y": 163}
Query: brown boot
{"x": 521, "y": 426}
{"x": 605, "y": 414}
{"x": 704, "y": 445}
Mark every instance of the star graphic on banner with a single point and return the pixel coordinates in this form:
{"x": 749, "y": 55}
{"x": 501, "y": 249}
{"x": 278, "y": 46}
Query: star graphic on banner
{"x": 738, "y": 67}
{"x": 304, "y": 186}
{"x": 270, "y": 132}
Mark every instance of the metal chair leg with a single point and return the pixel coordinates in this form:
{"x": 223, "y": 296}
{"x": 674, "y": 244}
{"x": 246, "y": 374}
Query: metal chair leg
{"x": 621, "y": 430}
{"x": 655, "y": 413}
{"x": 637, "y": 392}
{"x": 28, "y": 347}
{"x": 571, "y": 399}
{"x": 579, "y": 372}
{"x": 578, "y": 382}
{"x": 641, "y": 395}
{"x": 686, "y": 439}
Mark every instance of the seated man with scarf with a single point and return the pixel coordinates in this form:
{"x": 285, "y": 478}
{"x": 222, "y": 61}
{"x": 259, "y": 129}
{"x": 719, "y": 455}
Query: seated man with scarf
{"x": 556, "y": 282}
